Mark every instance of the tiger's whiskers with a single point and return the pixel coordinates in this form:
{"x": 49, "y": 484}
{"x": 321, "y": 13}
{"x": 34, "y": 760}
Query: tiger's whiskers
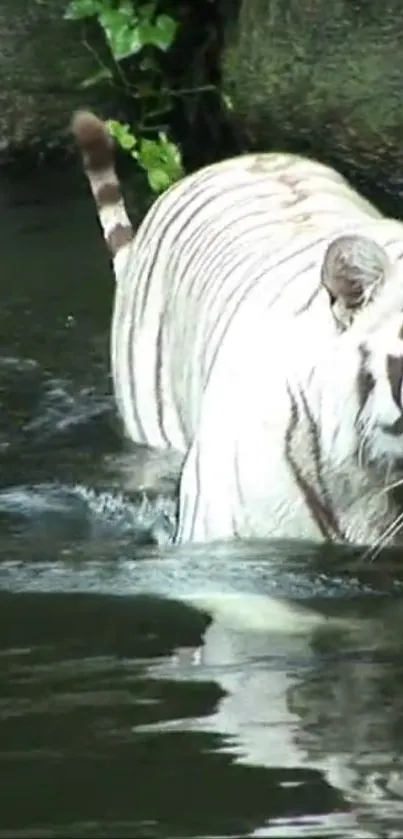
{"x": 389, "y": 533}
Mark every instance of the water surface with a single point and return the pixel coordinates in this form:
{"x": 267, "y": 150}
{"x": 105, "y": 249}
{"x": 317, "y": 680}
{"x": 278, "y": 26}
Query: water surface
{"x": 146, "y": 691}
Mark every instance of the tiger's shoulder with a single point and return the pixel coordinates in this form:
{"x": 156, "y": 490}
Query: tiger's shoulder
{"x": 295, "y": 172}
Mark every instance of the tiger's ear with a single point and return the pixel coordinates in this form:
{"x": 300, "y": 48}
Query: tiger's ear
{"x": 353, "y": 270}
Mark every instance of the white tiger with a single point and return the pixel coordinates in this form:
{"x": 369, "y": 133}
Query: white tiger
{"x": 258, "y": 330}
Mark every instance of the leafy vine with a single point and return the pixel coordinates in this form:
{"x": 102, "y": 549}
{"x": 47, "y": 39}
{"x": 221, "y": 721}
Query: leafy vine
{"x": 136, "y": 30}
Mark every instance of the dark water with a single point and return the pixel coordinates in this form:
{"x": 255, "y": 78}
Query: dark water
{"x": 148, "y": 692}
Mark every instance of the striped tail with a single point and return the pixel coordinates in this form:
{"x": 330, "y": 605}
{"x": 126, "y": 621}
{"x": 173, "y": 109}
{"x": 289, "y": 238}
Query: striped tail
{"x": 97, "y": 151}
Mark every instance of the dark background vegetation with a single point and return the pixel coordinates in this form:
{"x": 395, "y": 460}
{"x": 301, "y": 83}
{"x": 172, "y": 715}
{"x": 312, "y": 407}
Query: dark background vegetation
{"x": 320, "y": 78}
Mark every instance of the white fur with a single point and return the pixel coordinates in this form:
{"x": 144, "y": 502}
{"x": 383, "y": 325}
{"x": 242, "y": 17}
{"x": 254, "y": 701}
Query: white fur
{"x": 231, "y": 375}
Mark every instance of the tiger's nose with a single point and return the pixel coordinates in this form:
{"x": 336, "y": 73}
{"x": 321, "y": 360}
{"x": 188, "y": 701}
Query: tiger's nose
{"x": 394, "y": 367}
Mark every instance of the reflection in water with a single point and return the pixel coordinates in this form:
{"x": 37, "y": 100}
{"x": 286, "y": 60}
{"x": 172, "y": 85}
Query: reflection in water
{"x": 313, "y": 700}
{"x": 146, "y": 691}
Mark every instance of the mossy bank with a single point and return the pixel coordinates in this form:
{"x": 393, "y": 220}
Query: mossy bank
{"x": 324, "y": 79}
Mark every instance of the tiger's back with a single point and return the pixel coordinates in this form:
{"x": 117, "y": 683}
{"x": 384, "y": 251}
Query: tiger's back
{"x": 250, "y": 229}
{"x": 236, "y": 341}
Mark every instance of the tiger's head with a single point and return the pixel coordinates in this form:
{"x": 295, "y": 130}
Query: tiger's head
{"x": 366, "y": 296}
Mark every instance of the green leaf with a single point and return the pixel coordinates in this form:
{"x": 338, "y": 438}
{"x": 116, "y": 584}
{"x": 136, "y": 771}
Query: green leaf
{"x": 164, "y": 31}
{"x": 113, "y": 126}
{"x": 126, "y": 10}
{"x": 146, "y": 32}
{"x": 148, "y": 153}
{"x": 121, "y": 30}
{"x": 79, "y": 9}
{"x": 127, "y": 142}
{"x": 122, "y": 36}
{"x": 227, "y": 101}
{"x": 146, "y": 11}
{"x": 122, "y": 134}
{"x": 172, "y": 156}
{"x": 161, "y": 160}
{"x": 158, "y": 179}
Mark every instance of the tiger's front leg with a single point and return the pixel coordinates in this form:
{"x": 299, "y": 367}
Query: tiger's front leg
{"x": 236, "y": 482}
{"x": 205, "y": 497}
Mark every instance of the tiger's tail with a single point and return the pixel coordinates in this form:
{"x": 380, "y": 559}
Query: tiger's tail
{"x": 97, "y": 151}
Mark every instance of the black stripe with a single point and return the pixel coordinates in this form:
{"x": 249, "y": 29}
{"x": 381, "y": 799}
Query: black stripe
{"x": 226, "y": 314}
{"x": 216, "y": 257}
{"x": 311, "y": 298}
{"x": 328, "y": 509}
{"x": 190, "y": 192}
{"x": 196, "y": 504}
{"x": 152, "y": 248}
{"x": 210, "y": 266}
{"x": 207, "y": 188}
{"x": 365, "y": 381}
{"x": 196, "y": 500}
{"x": 157, "y": 240}
{"x": 245, "y": 293}
{"x": 394, "y": 368}
{"x": 256, "y": 281}
{"x": 144, "y": 287}
{"x": 195, "y": 190}
{"x": 214, "y": 253}
{"x": 396, "y": 429}
{"x": 127, "y": 315}
{"x": 321, "y": 514}
{"x": 158, "y": 382}
{"x": 183, "y": 513}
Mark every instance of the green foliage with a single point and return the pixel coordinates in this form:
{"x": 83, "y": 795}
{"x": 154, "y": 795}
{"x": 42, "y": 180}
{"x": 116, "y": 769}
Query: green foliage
{"x": 128, "y": 28}
{"x": 328, "y": 86}
{"x": 134, "y": 29}
{"x": 161, "y": 159}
